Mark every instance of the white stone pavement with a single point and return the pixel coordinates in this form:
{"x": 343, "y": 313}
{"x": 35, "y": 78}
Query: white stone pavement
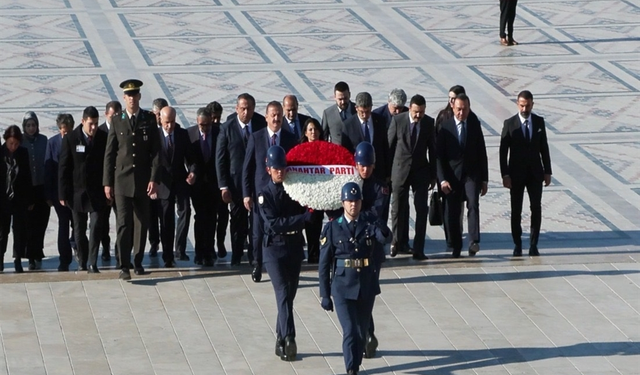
{"x": 574, "y": 310}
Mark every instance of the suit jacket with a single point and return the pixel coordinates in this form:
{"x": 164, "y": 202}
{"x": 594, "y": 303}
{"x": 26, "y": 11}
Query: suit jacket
{"x": 383, "y": 111}
{"x": 206, "y": 169}
{"x": 51, "y": 167}
{"x": 332, "y": 122}
{"x": 352, "y": 136}
{"x": 131, "y": 158}
{"x": 172, "y": 171}
{"x": 230, "y": 152}
{"x": 338, "y": 243}
{"x": 254, "y": 170}
{"x": 524, "y": 157}
{"x": 22, "y": 187}
{"x": 455, "y": 163}
{"x": 405, "y": 159}
{"x": 81, "y": 171}
{"x": 302, "y": 119}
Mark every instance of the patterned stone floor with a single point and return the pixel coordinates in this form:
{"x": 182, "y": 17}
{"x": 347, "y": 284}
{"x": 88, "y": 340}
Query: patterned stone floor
{"x": 576, "y": 310}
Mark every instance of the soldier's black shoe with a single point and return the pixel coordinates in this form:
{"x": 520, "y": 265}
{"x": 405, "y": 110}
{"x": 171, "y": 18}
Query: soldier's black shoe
{"x": 533, "y": 251}
{"x": 290, "y": 349}
{"x": 393, "y": 251}
{"x": 106, "y": 256}
{"x": 138, "y": 270}
{"x": 256, "y": 274}
{"x": 125, "y": 275}
{"x": 93, "y": 269}
{"x": 279, "y": 347}
{"x": 153, "y": 251}
{"x": 370, "y": 346}
{"x": 352, "y": 372}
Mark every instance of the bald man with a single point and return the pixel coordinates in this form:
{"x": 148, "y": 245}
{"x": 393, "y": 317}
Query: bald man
{"x": 293, "y": 121}
{"x": 176, "y": 173}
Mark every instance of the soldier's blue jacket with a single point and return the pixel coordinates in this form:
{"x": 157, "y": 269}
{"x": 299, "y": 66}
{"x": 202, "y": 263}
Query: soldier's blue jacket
{"x": 337, "y": 244}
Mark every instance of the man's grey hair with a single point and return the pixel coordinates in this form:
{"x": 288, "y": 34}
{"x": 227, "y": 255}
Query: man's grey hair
{"x": 363, "y": 99}
{"x": 398, "y": 97}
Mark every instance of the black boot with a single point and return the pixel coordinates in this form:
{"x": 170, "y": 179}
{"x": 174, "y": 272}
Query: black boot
{"x": 18, "y": 265}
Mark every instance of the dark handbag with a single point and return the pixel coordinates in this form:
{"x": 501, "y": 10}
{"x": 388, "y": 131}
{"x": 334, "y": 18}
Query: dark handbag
{"x": 436, "y": 213}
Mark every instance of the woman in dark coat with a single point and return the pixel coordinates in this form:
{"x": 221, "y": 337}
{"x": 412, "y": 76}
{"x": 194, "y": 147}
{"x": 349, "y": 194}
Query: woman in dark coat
{"x": 38, "y": 218}
{"x": 16, "y": 194}
{"x": 312, "y": 131}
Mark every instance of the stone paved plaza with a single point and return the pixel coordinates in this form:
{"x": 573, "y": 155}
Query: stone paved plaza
{"x": 574, "y": 310}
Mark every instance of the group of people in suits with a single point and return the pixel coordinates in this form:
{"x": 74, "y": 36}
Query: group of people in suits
{"x": 154, "y": 169}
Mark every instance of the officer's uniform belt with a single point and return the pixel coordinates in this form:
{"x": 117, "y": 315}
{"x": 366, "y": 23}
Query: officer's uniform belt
{"x": 353, "y": 263}
{"x": 284, "y": 236}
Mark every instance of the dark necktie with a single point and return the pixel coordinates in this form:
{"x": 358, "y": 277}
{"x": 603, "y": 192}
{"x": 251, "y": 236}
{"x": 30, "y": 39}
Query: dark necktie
{"x": 132, "y": 121}
{"x": 170, "y": 146}
{"x": 414, "y": 134}
{"x": 463, "y": 133}
{"x": 352, "y": 228}
{"x": 294, "y": 129}
{"x": 274, "y": 138}
{"x": 246, "y": 134}
{"x": 206, "y": 150}
{"x": 343, "y": 114}
{"x": 89, "y": 140}
{"x": 527, "y": 134}
{"x": 367, "y": 135}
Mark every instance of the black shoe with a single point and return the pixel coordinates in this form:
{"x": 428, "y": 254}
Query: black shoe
{"x": 279, "y": 347}
{"x": 235, "y": 262}
{"x": 93, "y": 269}
{"x": 124, "y": 275}
{"x": 256, "y": 274}
{"x": 198, "y": 262}
{"x": 456, "y": 253}
{"x": 106, "y": 256}
{"x": 207, "y": 262}
{"x": 352, "y": 372}
{"x": 474, "y": 247}
{"x": 533, "y": 251}
{"x": 290, "y": 349}
{"x": 17, "y": 263}
{"x": 170, "y": 264}
{"x": 405, "y": 250}
{"x": 393, "y": 251}
{"x": 517, "y": 251}
{"x": 222, "y": 250}
{"x": 420, "y": 256}
{"x": 138, "y": 270}
{"x": 32, "y": 264}
{"x": 153, "y": 251}
{"x": 183, "y": 257}
{"x": 83, "y": 267}
{"x": 370, "y": 346}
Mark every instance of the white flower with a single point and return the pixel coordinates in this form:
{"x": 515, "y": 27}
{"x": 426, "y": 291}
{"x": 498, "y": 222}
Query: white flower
{"x": 316, "y": 190}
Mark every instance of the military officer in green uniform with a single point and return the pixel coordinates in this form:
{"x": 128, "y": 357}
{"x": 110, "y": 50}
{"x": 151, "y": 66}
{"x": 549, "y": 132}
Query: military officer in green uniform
{"x": 130, "y": 175}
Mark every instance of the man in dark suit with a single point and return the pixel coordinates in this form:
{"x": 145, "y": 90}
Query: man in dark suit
{"x": 525, "y": 163}
{"x": 222, "y": 215}
{"x": 175, "y": 179}
{"x": 507, "y": 17}
{"x": 65, "y": 124}
{"x": 463, "y": 173}
{"x": 80, "y": 185}
{"x": 412, "y": 148}
{"x": 255, "y": 176}
{"x": 154, "y": 205}
{"x": 205, "y": 194}
{"x": 130, "y": 175}
{"x": 113, "y": 108}
{"x": 368, "y": 127}
{"x": 395, "y": 104}
{"x": 334, "y": 116}
{"x": 230, "y": 152}
{"x": 294, "y": 120}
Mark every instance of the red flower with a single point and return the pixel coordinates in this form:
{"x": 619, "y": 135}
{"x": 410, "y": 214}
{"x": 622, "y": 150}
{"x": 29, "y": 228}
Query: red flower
{"x": 319, "y": 153}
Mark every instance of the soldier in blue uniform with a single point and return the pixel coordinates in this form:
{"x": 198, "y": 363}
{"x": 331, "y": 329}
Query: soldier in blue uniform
{"x": 375, "y": 200}
{"x": 282, "y": 253}
{"x": 350, "y": 246}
